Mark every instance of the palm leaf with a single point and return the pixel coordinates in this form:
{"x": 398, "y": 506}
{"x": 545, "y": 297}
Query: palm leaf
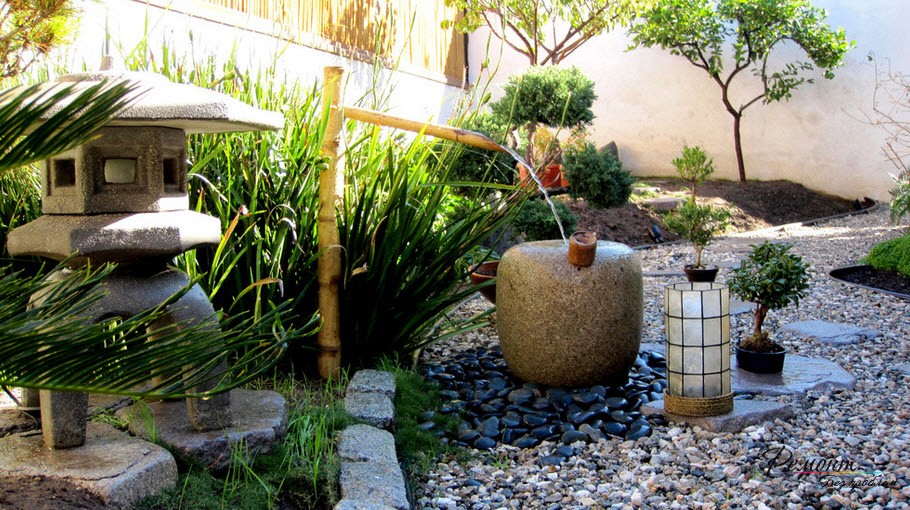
{"x": 50, "y": 345}
{"x": 40, "y": 121}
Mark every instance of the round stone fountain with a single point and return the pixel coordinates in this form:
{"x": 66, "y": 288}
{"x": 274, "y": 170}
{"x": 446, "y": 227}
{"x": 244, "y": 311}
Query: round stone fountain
{"x": 564, "y": 325}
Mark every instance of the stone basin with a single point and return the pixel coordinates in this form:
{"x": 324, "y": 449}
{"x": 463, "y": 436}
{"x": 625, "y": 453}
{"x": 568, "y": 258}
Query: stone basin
{"x": 561, "y": 325}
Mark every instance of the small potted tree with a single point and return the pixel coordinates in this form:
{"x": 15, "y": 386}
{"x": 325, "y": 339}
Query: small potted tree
{"x": 694, "y": 167}
{"x": 699, "y": 224}
{"x": 545, "y": 97}
{"x": 771, "y": 277}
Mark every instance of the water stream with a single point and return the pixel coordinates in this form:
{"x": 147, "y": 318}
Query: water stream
{"x": 515, "y": 155}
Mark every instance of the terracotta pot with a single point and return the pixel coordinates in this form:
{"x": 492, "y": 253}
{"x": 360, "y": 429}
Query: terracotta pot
{"x": 484, "y": 273}
{"x": 551, "y": 177}
{"x": 760, "y": 362}
{"x": 582, "y": 248}
{"x": 700, "y": 274}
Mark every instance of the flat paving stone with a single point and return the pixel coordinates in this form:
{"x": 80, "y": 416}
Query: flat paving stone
{"x": 351, "y": 504}
{"x": 800, "y": 375}
{"x": 112, "y": 466}
{"x": 14, "y": 419}
{"x": 259, "y": 422}
{"x": 374, "y": 408}
{"x": 830, "y": 332}
{"x": 372, "y": 381}
{"x": 745, "y": 413}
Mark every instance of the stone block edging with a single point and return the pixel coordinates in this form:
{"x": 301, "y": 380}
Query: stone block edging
{"x": 371, "y": 478}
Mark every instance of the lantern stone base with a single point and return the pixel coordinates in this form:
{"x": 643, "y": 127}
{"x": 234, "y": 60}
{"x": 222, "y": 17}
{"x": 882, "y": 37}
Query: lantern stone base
{"x": 111, "y": 469}
{"x": 260, "y": 420}
{"x": 745, "y": 413}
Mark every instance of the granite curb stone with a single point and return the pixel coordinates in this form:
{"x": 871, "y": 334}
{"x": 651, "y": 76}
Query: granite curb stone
{"x": 373, "y": 381}
{"x": 373, "y": 408}
{"x": 363, "y": 443}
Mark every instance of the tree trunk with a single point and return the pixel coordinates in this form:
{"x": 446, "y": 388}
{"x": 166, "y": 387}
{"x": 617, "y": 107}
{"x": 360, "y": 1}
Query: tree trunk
{"x": 738, "y": 145}
{"x": 759, "y": 316}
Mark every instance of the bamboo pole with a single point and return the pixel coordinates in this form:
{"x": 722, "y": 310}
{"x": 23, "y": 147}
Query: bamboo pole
{"x": 328, "y": 267}
{"x": 438, "y": 130}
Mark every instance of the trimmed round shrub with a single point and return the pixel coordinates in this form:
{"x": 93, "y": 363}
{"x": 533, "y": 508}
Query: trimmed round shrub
{"x": 479, "y": 165}
{"x": 597, "y": 176}
{"x": 893, "y": 255}
{"x": 536, "y": 221}
{"x": 554, "y": 96}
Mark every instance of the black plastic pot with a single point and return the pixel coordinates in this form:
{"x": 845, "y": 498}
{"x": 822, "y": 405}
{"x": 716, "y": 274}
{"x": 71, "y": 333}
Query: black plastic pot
{"x": 700, "y": 274}
{"x": 760, "y": 362}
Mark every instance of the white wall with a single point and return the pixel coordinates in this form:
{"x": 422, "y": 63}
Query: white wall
{"x": 413, "y": 96}
{"x": 651, "y": 103}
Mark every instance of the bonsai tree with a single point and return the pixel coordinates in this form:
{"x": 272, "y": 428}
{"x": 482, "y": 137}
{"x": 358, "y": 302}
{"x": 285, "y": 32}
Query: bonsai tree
{"x": 545, "y": 96}
{"x": 694, "y": 166}
{"x": 727, "y": 37}
{"x": 772, "y": 278}
{"x": 698, "y": 224}
{"x": 544, "y": 31}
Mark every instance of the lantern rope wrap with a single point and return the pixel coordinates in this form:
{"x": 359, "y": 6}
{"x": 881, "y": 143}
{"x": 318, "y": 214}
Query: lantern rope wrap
{"x": 697, "y": 320}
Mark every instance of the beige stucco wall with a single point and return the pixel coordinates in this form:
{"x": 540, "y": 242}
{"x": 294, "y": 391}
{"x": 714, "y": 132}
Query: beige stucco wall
{"x": 214, "y": 32}
{"x": 651, "y": 103}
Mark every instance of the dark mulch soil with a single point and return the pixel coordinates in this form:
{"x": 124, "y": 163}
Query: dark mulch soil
{"x": 890, "y": 281}
{"x": 754, "y": 205}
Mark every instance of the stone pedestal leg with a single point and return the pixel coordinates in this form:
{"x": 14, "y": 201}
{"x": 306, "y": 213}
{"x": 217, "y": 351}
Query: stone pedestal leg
{"x": 63, "y": 416}
{"x": 210, "y": 413}
{"x": 30, "y": 398}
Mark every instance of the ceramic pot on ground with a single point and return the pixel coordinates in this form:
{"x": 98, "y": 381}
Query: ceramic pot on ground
{"x": 700, "y": 274}
{"x": 483, "y": 273}
{"x": 760, "y": 362}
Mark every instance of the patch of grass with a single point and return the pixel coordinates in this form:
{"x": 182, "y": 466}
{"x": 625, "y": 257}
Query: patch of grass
{"x": 419, "y": 450}
{"x": 301, "y": 472}
{"x": 892, "y": 255}
{"x": 108, "y": 416}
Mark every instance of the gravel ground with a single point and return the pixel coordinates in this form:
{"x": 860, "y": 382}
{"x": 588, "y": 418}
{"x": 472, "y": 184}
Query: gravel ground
{"x": 864, "y": 430}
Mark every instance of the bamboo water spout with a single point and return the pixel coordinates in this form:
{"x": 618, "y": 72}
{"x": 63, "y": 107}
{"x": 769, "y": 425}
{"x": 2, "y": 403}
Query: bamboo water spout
{"x": 331, "y": 185}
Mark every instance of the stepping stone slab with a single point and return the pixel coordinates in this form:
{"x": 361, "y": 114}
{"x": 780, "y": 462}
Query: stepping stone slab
{"x": 363, "y": 443}
{"x": 350, "y": 504}
{"x": 112, "y": 468}
{"x": 372, "y": 381}
{"x": 377, "y": 482}
{"x": 745, "y": 413}
{"x": 665, "y": 204}
{"x": 800, "y": 375}
{"x": 374, "y": 408}
{"x": 831, "y": 332}
{"x": 260, "y": 421}
{"x": 14, "y": 419}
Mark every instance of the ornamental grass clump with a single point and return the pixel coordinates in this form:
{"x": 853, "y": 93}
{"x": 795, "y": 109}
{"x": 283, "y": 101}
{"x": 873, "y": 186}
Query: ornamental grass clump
{"x": 771, "y": 277}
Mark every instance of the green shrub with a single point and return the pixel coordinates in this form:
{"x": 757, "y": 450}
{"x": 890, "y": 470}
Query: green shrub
{"x": 536, "y": 221}
{"x": 698, "y": 223}
{"x": 597, "y": 176}
{"x": 900, "y": 196}
{"x": 892, "y": 255}
{"x": 479, "y": 165}
{"x": 553, "y": 96}
{"x": 694, "y": 166}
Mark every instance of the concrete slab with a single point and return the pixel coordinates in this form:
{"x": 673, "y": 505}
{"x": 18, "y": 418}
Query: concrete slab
{"x": 114, "y": 467}
{"x": 14, "y": 419}
{"x": 800, "y": 375}
{"x": 260, "y": 421}
{"x": 830, "y": 332}
{"x": 745, "y": 413}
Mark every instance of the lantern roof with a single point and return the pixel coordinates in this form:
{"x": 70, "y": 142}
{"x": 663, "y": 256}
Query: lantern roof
{"x": 160, "y": 102}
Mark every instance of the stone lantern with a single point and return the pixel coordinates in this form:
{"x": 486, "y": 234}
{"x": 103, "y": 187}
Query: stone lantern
{"x": 122, "y": 197}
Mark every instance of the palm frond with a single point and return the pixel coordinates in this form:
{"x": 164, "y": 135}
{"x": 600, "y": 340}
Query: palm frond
{"x": 50, "y": 345}
{"x": 39, "y": 121}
